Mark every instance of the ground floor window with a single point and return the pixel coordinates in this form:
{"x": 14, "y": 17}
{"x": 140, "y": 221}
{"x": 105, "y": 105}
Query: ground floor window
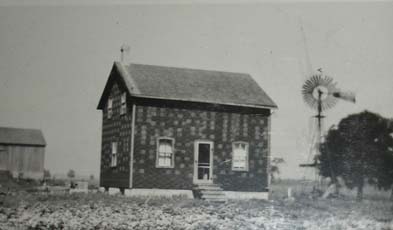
{"x": 165, "y": 152}
{"x": 240, "y": 156}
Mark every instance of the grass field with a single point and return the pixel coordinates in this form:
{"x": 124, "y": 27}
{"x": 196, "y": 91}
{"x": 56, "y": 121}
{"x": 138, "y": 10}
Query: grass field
{"x": 303, "y": 188}
{"x": 23, "y": 210}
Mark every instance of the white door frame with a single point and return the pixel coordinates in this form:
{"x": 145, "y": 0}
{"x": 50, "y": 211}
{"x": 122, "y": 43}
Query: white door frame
{"x": 196, "y": 153}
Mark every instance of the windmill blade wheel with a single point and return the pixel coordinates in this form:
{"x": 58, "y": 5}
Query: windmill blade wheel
{"x": 319, "y": 89}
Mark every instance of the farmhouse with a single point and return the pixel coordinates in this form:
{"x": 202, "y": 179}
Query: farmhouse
{"x": 22, "y": 152}
{"x": 180, "y": 129}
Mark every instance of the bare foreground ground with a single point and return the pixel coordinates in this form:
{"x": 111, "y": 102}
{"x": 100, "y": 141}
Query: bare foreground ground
{"x": 25, "y": 210}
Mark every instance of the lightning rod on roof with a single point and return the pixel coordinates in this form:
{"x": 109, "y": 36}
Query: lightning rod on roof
{"x": 124, "y": 49}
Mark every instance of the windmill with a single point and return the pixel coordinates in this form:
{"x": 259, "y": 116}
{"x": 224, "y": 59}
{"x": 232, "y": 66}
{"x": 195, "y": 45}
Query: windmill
{"x": 320, "y": 93}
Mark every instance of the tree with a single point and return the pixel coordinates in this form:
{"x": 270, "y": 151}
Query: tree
{"x": 274, "y": 169}
{"x": 385, "y": 162}
{"x": 359, "y": 150}
{"x": 71, "y": 173}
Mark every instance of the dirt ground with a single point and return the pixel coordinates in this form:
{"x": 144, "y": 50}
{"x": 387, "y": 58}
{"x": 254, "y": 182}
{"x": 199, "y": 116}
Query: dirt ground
{"x": 100, "y": 211}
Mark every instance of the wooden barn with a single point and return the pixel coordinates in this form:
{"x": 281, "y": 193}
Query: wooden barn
{"x": 22, "y": 152}
{"x": 176, "y": 129}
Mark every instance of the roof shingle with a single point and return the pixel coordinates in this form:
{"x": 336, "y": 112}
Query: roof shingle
{"x": 16, "y": 136}
{"x": 150, "y": 81}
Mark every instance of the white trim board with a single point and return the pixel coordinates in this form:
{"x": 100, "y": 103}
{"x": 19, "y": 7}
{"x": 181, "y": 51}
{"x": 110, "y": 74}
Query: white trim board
{"x": 132, "y": 143}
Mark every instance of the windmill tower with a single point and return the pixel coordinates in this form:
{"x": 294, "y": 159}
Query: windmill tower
{"x": 320, "y": 93}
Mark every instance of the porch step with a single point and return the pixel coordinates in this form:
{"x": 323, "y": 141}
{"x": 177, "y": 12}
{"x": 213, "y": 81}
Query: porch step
{"x": 214, "y": 197}
{"x": 210, "y": 192}
{"x": 209, "y": 188}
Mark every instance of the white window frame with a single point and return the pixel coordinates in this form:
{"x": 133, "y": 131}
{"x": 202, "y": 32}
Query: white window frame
{"x": 123, "y": 105}
{"x": 246, "y": 148}
{"x": 114, "y": 148}
{"x": 172, "y": 161}
{"x": 110, "y": 108}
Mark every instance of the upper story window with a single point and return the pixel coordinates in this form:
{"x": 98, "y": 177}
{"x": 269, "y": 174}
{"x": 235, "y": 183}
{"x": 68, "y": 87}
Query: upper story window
{"x": 114, "y": 154}
{"x": 109, "y": 107}
{"x": 240, "y": 156}
{"x": 165, "y": 152}
{"x": 123, "y": 106}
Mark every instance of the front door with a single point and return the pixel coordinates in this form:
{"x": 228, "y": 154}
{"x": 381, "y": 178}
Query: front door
{"x": 203, "y": 166}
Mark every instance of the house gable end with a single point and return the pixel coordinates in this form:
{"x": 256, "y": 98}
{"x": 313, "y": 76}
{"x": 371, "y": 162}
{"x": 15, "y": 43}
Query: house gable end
{"x": 116, "y": 75}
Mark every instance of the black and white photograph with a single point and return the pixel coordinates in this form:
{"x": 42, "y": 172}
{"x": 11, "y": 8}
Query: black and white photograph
{"x": 196, "y": 114}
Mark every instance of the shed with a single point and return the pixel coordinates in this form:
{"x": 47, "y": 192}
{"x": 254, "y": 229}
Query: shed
{"x": 22, "y": 152}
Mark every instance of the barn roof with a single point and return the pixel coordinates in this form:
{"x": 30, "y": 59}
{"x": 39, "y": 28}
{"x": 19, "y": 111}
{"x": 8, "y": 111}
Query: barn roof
{"x": 160, "y": 82}
{"x": 16, "y": 136}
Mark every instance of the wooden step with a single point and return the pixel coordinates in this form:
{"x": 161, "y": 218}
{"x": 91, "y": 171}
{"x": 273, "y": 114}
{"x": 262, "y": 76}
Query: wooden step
{"x": 213, "y": 196}
{"x": 209, "y": 188}
{"x": 223, "y": 200}
{"x": 208, "y": 185}
{"x": 210, "y": 192}
{"x": 213, "y": 192}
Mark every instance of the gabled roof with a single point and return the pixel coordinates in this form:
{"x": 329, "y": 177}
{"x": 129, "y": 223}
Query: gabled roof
{"x": 15, "y": 136}
{"x": 170, "y": 83}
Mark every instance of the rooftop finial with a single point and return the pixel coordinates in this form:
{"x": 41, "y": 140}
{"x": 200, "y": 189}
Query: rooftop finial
{"x": 124, "y": 49}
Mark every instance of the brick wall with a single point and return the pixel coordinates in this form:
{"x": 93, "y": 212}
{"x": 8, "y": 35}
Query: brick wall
{"x": 187, "y": 122}
{"x": 118, "y": 129}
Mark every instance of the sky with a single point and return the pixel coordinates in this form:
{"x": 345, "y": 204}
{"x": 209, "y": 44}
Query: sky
{"x": 55, "y": 60}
